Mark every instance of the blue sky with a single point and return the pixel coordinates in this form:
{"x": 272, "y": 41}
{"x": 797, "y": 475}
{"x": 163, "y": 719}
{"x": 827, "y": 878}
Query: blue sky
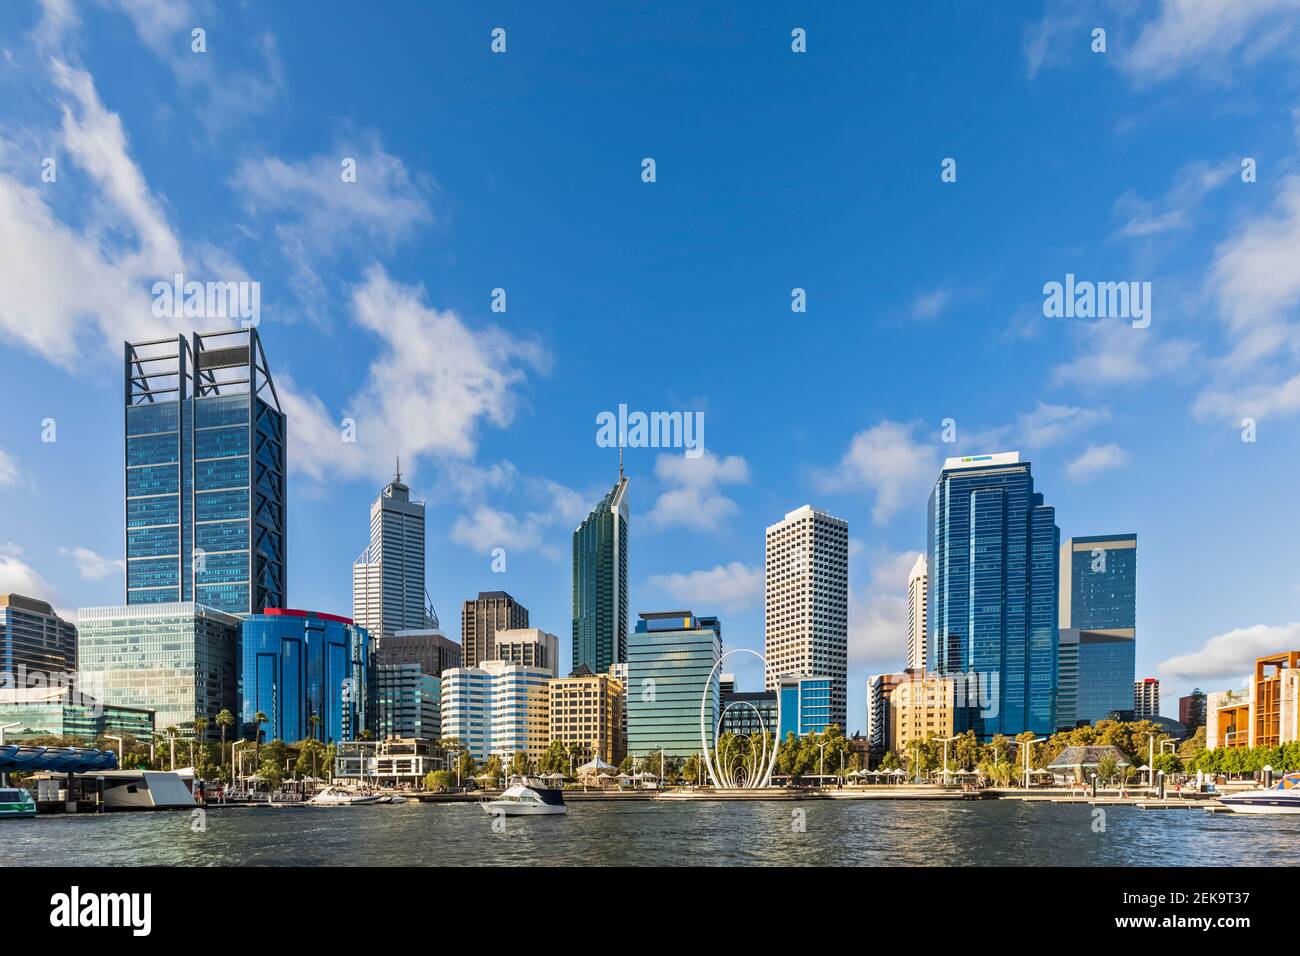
{"x": 775, "y": 170}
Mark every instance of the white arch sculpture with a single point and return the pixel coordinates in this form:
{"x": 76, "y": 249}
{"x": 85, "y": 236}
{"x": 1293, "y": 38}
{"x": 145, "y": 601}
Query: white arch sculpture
{"x": 721, "y": 777}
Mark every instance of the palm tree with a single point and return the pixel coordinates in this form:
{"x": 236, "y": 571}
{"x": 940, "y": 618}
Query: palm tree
{"x": 200, "y": 727}
{"x": 314, "y": 720}
{"x": 259, "y": 719}
{"x": 224, "y": 719}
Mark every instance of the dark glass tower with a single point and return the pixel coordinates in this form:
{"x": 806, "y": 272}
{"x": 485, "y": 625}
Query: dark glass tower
{"x": 205, "y": 473}
{"x": 600, "y": 583}
{"x": 993, "y": 551}
{"x": 1098, "y": 627}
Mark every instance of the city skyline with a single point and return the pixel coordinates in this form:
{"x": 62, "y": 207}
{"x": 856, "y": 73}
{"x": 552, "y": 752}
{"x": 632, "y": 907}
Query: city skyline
{"x": 1127, "y": 428}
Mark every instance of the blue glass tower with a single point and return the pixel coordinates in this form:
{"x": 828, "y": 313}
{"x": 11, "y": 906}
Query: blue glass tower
{"x": 670, "y": 671}
{"x": 295, "y": 665}
{"x": 993, "y": 551}
{"x": 1098, "y": 624}
{"x": 600, "y": 583}
{"x": 205, "y": 474}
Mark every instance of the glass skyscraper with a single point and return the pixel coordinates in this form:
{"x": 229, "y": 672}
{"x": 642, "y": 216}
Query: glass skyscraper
{"x": 296, "y": 665}
{"x": 992, "y": 612}
{"x": 600, "y": 583}
{"x": 180, "y": 659}
{"x": 388, "y": 593}
{"x": 205, "y": 474}
{"x": 1098, "y": 619}
{"x": 670, "y": 657}
{"x": 35, "y": 643}
{"x": 805, "y": 705}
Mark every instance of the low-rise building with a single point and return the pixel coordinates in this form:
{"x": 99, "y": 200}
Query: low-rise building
{"x": 62, "y": 711}
{"x": 880, "y": 733}
{"x": 387, "y": 763}
{"x": 408, "y": 702}
{"x": 1265, "y": 714}
{"x": 921, "y": 708}
{"x": 586, "y": 712}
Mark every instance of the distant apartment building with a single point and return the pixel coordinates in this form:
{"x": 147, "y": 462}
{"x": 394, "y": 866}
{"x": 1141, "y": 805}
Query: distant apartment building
{"x": 1265, "y": 714}
{"x": 1146, "y": 698}
{"x": 672, "y": 656}
{"x": 179, "y": 659}
{"x": 918, "y": 583}
{"x": 586, "y": 713}
{"x": 530, "y": 646}
{"x": 1191, "y": 710}
{"x": 880, "y": 734}
{"x": 481, "y": 618}
{"x": 497, "y": 708}
{"x": 206, "y": 496}
{"x": 34, "y": 642}
{"x": 1098, "y": 619}
{"x": 427, "y": 648}
{"x": 407, "y": 703}
{"x": 388, "y": 592}
{"x": 310, "y": 674}
{"x": 806, "y": 602}
{"x": 921, "y": 708}
{"x": 600, "y": 563}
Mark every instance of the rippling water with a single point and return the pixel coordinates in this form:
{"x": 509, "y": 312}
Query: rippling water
{"x": 1002, "y": 832}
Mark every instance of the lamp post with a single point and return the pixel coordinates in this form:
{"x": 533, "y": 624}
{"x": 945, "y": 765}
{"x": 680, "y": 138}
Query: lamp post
{"x": 821, "y": 763}
{"x": 236, "y": 767}
{"x": 4, "y": 777}
{"x": 946, "y": 741}
{"x": 1028, "y": 745}
{"x": 1151, "y": 759}
{"x": 119, "y": 748}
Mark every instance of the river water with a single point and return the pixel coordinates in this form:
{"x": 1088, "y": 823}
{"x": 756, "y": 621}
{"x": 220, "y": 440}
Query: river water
{"x": 659, "y": 833}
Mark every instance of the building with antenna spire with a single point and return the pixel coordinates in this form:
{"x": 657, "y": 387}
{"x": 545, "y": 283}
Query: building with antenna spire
{"x": 600, "y": 582}
{"x": 388, "y": 592}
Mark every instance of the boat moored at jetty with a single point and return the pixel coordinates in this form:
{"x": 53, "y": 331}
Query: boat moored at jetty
{"x": 1282, "y": 797}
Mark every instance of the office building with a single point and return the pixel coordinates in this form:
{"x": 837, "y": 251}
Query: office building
{"x": 806, "y": 602}
{"x": 36, "y": 644}
{"x": 480, "y": 620}
{"x": 178, "y": 659}
{"x": 1265, "y": 714}
{"x": 992, "y": 553}
{"x": 880, "y": 733}
{"x": 1098, "y": 619}
{"x": 918, "y": 581}
{"x": 309, "y": 673}
{"x": 388, "y": 592}
{"x": 530, "y": 646}
{"x": 63, "y": 711}
{"x": 805, "y": 705}
{"x": 407, "y": 702}
{"x": 1146, "y": 698}
{"x": 397, "y": 763}
{"x": 497, "y": 708}
{"x": 600, "y": 582}
{"x": 1191, "y": 710}
{"x": 921, "y": 708}
{"x": 671, "y": 663}
{"x": 205, "y": 474}
{"x": 586, "y": 712}
{"x": 747, "y": 713}
{"x": 427, "y": 648}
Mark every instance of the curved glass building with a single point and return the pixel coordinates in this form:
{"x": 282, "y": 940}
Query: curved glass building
{"x": 296, "y": 665}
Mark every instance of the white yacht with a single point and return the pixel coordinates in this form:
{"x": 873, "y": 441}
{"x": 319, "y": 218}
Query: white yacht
{"x": 335, "y": 796}
{"x": 526, "y": 801}
{"x": 1282, "y": 797}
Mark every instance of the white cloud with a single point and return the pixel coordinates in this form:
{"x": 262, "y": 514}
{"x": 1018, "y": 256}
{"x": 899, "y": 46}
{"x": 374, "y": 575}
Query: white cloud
{"x": 693, "y": 498}
{"x": 878, "y": 613}
{"x": 1232, "y": 654}
{"x": 733, "y": 587}
{"x": 486, "y": 527}
{"x": 1042, "y": 427}
{"x": 18, "y": 577}
{"x": 1174, "y": 210}
{"x": 1210, "y": 37}
{"x": 1095, "y": 460}
{"x": 886, "y": 461}
{"x": 1117, "y": 354}
{"x": 927, "y": 305}
{"x": 92, "y": 566}
{"x": 8, "y": 469}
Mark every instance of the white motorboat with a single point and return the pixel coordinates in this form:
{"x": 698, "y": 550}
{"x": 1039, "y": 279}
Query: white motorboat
{"x": 392, "y": 798}
{"x": 333, "y": 796}
{"x": 1282, "y": 797}
{"x": 526, "y": 801}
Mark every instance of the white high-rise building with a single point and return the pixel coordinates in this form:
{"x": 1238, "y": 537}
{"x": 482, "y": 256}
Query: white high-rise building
{"x": 917, "y": 584}
{"x": 497, "y": 708}
{"x": 388, "y": 592}
{"x": 806, "y": 606}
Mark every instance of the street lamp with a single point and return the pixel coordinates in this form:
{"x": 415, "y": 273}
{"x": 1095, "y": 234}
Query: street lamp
{"x": 1027, "y": 744}
{"x": 946, "y": 741}
{"x": 119, "y": 748}
{"x": 4, "y": 777}
{"x": 236, "y": 774}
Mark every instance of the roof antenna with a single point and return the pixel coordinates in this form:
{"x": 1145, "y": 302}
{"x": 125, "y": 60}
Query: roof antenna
{"x": 398, "y": 479}
{"x": 620, "y": 461}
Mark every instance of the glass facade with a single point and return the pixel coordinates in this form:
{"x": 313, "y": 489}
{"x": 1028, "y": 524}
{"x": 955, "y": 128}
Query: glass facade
{"x": 748, "y": 713}
{"x": 205, "y": 476}
{"x": 805, "y": 705}
{"x": 1098, "y": 619}
{"x": 408, "y": 702}
{"x": 296, "y": 665}
{"x": 498, "y": 708}
{"x": 993, "y": 600}
{"x": 64, "y": 712}
{"x": 35, "y": 643}
{"x": 670, "y": 658}
{"x": 600, "y": 584}
{"x": 178, "y": 659}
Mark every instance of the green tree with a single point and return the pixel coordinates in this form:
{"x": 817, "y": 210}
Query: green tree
{"x": 1107, "y": 767}
{"x": 556, "y": 758}
{"x": 224, "y": 719}
{"x": 493, "y": 768}
{"x": 520, "y": 765}
{"x": 439, "y": 780}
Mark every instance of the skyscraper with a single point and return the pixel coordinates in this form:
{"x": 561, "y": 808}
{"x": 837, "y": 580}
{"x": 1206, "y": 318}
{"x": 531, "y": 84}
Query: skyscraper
{"x": 600, "y": 583}
{"x": 992, "y": 614}
{"x": 1098, "y": 614}
{"x": 35, "y": 643}
{"x": 806, "y": 603}
{"x": 480, "y": 620}
{"x": 1146, "y": 698}
{"x": 427, "y": 648}
{"x": 670, "y": 659}
{"x": 917, "y": 585}
{"x": 388, "y": 592}
{"x": 205, "y": 474}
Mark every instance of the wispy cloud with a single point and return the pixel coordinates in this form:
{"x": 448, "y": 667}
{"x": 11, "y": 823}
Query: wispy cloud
{"x": 92, "y": 566}
{"x": 1095, "y": 460}
{"x": 1231, "y": 655}
{"x": 732, "y": 587}
{"x": 694, "y": 498}
{"x": 886, "y": 461}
